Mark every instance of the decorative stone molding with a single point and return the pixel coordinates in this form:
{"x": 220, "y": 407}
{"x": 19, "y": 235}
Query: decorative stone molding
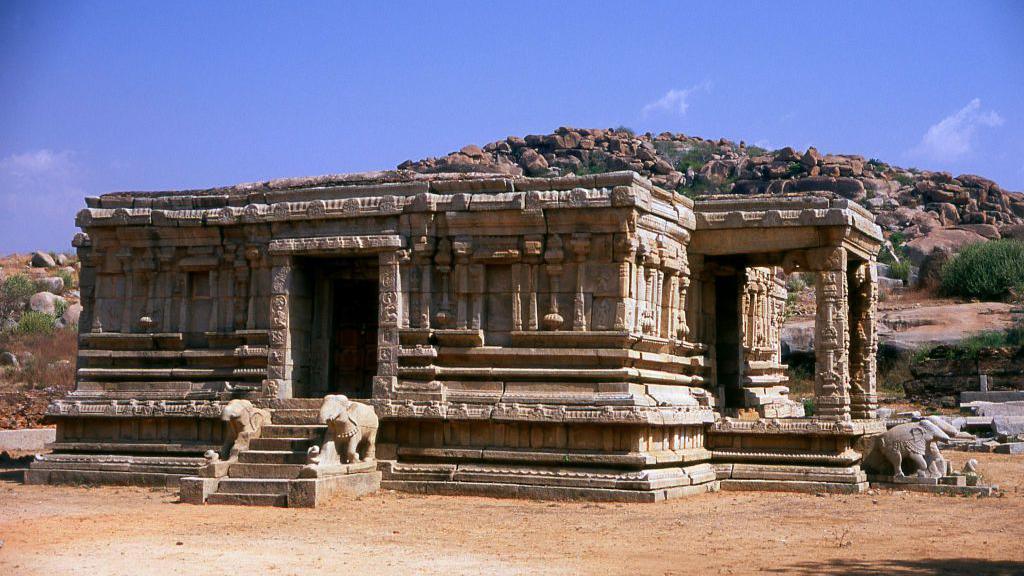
{"x": 370, "y": 243}
{"x": 136, "y": 409}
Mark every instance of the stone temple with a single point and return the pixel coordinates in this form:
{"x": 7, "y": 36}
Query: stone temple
{"x": 574, "y": 337}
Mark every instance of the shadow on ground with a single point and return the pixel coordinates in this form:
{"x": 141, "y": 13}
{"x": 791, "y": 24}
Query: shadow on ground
{"x": 926, "y": 567}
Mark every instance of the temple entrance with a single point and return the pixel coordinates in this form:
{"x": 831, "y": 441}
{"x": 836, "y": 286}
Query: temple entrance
{"x": 353, "y": 337}
{"x": 728, "y": 348}
{"x": 334, "y": 328}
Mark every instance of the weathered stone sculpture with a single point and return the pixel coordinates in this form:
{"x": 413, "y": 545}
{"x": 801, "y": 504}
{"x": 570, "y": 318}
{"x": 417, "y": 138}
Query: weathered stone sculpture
{"x": 352, "y": 426}
{"x": 910, "y": 449}
{"x": 244, "y": 424}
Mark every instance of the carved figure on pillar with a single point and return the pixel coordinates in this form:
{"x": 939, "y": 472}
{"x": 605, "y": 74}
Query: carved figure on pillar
{"x": 831, "y": 378}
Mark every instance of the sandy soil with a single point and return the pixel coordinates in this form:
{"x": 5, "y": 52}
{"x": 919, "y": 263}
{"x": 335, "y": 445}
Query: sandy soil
{"x": 55, "y": 530}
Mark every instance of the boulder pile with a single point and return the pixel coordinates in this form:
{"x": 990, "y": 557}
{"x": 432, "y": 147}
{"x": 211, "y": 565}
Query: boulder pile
{"x": 913, "y": 203}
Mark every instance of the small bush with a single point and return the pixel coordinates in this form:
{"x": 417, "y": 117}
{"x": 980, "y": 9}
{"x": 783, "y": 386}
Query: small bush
{"x": 67, "y": 277}
{"x": 900, "y": 270}
{"x": 32, "y": 322}
{"x": 905, "y": 179}
{"x": 14, "y": 294}
{"x": 625, "y": 129}
{"x": 756, "y": 151}
{"x": 986, "y": 271}
{"x": 696, "y": 157}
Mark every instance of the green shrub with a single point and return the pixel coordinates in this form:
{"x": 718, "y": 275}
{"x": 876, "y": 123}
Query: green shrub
{"x": 986, "y": 271}
{"x": 67, "y": 277}
{"x": 14, "y": 294}
{"x": 625, "y": 129}
{"x": 808, "y": 407}
{"x": 756, "y": 151}
{"x": 905, "y": 179}
{"x": 696, "y": 157}
{"x": 32, "y": 322}
{"x": 900, "y": 270}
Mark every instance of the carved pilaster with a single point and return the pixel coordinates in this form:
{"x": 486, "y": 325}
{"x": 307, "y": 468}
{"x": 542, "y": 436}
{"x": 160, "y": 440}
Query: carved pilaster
{"x": 390, "y": 319}
{"x": 462, "y": 251}
{"x": 553, "y": 256}
{"x": 443, "y": 259}
{"x": 831, "y": 338}
{"x": 863, "y": 280}
{"x": 580, "y": 248}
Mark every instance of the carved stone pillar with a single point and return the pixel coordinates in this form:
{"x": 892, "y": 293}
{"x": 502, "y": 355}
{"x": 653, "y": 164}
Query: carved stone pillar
{"x": 443, "y": 259}
{"x": 580, "y": 248}
{"x": 405, "y": 284}
{"x": 387, "y": 326}
{"x": 553, "y": 256}
{"x": 831, "y": 334}
{"x": 625, "y": 254}
{"x": 462, "y": 252}
{"x": 863, "y": 281}
{"x": 279, "y": 364}
{"x": 125, "y": 258}
{"x": 253, "y": 256}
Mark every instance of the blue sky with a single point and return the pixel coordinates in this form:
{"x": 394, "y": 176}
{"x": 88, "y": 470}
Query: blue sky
{"x": 104, "y": 96}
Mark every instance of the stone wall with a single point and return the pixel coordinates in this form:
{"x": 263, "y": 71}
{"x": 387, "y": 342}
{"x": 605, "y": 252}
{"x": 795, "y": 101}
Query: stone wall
{"x": 938, "y": 376}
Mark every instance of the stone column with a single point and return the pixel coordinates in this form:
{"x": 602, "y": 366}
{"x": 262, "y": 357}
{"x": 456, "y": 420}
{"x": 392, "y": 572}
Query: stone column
{"x": 553, "y": 256}
{"x": 390, "y": 319}
{"x": 127, "y": 266}
{"x": 443, "y": 259}
{"x": 863, "y": 281}
{"x": 580, "y": 247}
{"x": 831, "y": 334}
{"x": 279, "y": 364}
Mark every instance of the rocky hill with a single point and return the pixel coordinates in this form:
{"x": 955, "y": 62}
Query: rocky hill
{"x": 935, "y": 208}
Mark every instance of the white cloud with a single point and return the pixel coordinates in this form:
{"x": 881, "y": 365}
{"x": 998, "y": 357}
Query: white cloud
{"x": 676, "y": 101}
{"x": 953, "y": 137}
{"x": 40, "y": 192}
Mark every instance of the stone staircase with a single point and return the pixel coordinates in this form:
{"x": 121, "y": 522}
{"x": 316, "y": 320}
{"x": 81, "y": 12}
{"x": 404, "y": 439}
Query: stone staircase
{"x": 267, "y": 474}
{"x": 262, "y": 475}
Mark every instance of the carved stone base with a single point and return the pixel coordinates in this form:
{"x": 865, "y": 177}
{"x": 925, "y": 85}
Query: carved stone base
{"x": 293, "y": 493}
{"x": 955, "y": 484}
{"x": 792, "y": 478}
{"x": 111, "y": 469}
{"x": 550, "y": 483}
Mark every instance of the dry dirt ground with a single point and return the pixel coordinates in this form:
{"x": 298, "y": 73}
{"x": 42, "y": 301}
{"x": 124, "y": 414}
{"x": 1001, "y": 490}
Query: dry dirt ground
{"x": 60, "y": 530}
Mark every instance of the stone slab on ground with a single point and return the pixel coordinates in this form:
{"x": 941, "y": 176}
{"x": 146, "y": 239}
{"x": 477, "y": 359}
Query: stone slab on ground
{"x": 997, "y": 396}
{"x": 1010, "y": 448}
{"x": 1015, "y": 408}
{"x": 938, "y": 489}
{"x": 1008, "y": 425}
{"x": 26, "y": 439}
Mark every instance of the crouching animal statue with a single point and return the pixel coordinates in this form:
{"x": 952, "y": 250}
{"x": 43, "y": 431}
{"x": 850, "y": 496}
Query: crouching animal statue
{"x": 351, "y": 434}
{"x": 909, "y": 449}
{"x": 244, "y": 424}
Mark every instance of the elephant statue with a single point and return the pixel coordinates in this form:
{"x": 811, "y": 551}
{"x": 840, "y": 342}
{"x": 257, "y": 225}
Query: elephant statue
{"x": 910, "y": 449}
{"x": 351, "y": 434}
{"x": 244, "y": 422}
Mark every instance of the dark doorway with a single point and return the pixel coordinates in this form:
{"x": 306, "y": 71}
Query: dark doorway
{"x": 353, "y": 348}
{"x": 727, "y": 339}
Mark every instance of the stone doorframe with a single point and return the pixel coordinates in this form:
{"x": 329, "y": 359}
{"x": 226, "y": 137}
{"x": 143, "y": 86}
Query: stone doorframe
{"x": 280, "y": 362}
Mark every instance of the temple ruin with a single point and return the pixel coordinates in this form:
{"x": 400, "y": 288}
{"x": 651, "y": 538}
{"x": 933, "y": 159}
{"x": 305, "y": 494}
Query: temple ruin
{"x": 574, "y": 337}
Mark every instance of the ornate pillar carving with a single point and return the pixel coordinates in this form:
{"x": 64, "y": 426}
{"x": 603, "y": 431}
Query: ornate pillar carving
{"x": 625, "y": 254}
{"x": 387, "y": 326}
{"x": 553, "y": 256}
{"x": 128, "y": 272}
{"x": 423, "y": 254}
{"x": 279, "y": 364}
{"x": 863, "y": 281}
{"x": 462, "y": 251}
{"x": 580, "y": 248}
{"x": 831, "y": 334}
{"x": 533, "y": 251}
{"x": 443, "y": 259}
{"x": 405, "y": 284}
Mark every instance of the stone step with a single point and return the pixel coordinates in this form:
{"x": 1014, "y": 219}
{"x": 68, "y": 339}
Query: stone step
{"x": 293, "y": 431}
{"x": 294, "y": 403}
{"x": 265, "y": 471}
{"x": 287, "y": 417}
{"x": 271, "y": 457}
{"x": 288, "y": 444}
{"x": 280, "y": 500}
{"x": 252, "y": 486}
